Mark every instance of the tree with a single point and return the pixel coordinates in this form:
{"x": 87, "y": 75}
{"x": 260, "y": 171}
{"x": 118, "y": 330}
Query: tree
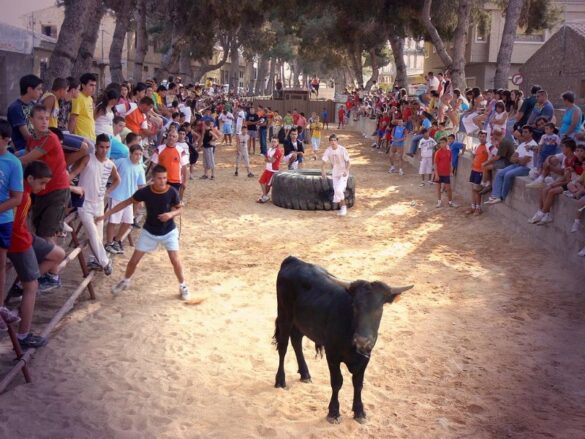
{"x": 397, "y": 44}
{"x": 141, "y": 46}
{"x": 455, "y": 63}
{"x": 65, "y": 53}
{"x": 123, "y": 10}
{"x": 89, "y": 38}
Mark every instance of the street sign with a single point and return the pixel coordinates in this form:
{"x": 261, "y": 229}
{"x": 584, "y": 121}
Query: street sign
{"x": 517, "y": 79}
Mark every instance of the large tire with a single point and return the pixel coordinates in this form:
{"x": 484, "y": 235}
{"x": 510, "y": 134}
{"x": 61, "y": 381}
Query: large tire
{"x": 304, "y": 189}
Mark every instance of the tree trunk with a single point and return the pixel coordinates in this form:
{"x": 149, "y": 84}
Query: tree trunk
{"x": 262, "y": 70}
{"x": 513, "y": 12}
{"x": 123, "y": 14}
{"x": 65, "y": 53}
{"x": 185, "y": 70}
{"x": 355, "y": 62}
{"x": 455, "y": 64}
{"x": 234, "y": 78}
{"x": 83, "y": 64}
{"x": 141, "y": 46}
{"x": 397, "y": 44}
{"x": 375, "y": 70}
{"x": 202, "y": 69}
{"x": 270, "y": 86}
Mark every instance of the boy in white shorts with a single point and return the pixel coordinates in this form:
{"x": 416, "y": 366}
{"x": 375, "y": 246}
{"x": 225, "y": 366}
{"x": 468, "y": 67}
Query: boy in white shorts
{"x": 316, "y": 127}
{"x": 427, "y": 146}
{"x": 337, "y": 156}
{"x": 162, "y": 206}
{"x": 242, "y": 151}
{"x": 132, "y": 178}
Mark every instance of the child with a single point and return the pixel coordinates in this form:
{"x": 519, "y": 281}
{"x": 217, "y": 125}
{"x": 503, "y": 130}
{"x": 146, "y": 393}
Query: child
{"x": 548, "y": 146}
{"x": 398, "y": 135}
{"x": 316, "y": 128}
{"x": 457, "y": 149}
{"x": 475, "y": 177}
{"x": 242, "y": 151}
{"x": 426, "y": 145}
{"x": 443, "y": 169}
{"x": 272, "y": 159}
{"x": 288, "y": 122}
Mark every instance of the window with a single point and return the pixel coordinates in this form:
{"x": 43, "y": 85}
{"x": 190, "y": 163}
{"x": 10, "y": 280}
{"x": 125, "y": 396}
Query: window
{"x": 241, "y": 75}
{"x": 145, "y": 68}
{"x": 49, "y": 30}
{"x": 481, "y": 35}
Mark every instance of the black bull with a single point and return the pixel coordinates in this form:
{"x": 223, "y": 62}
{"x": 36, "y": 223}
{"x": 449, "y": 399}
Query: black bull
{"x": 341, "y": 317}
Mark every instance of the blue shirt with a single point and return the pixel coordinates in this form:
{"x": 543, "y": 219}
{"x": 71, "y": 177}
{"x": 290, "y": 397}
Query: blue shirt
{"x": 131, "y": 176}
{"x": 18, "y": 115}
{"x": 117, "y": 150}
{"x": 426, "y": 123}
{"x": 456, "y": 148}
{"x": 10, "y": 180}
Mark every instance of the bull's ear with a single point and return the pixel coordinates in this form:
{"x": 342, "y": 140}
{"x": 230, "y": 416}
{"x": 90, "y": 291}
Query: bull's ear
{"x": 355, "y": 286}
{"x": 395, "y": 293}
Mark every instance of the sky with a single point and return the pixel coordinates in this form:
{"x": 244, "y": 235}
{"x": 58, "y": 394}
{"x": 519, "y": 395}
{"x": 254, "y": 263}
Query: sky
{"x": 12, "y": 10}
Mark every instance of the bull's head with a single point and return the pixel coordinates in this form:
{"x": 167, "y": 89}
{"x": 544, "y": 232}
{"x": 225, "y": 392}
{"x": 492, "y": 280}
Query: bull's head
{"x": 368, "y": 301}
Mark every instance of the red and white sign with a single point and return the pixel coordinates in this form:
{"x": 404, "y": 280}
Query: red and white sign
{"x": 517, "y": 79}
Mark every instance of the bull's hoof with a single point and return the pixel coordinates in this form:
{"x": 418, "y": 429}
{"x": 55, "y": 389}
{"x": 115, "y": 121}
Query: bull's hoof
{"x": 361, "y": 419}
{"x": 306, "y": 380}
{"x": 334, "y": 419}
{"x": 281, "y": 385}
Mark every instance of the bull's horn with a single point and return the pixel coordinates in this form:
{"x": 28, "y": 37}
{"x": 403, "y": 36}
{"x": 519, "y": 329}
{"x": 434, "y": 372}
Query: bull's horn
{"x": 400, "y": 290}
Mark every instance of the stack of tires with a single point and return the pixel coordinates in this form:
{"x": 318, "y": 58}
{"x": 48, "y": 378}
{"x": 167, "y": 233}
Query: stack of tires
{"x": 305, "y": 189}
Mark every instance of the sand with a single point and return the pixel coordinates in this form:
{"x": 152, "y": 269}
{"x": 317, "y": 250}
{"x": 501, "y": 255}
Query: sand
{"x": 487, "y": 345}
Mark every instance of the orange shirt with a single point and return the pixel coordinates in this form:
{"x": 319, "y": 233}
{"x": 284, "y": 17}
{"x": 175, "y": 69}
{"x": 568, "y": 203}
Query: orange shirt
{"x": 173, "y": 159}
{"x": 481, "y": 155}
{"x": 135, "y": 120}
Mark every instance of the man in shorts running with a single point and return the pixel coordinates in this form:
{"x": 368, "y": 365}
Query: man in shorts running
{"x": 163, "y": 205}
{"x": 338, "y": 157}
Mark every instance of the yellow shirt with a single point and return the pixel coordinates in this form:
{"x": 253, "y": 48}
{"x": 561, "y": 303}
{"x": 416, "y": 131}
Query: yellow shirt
{"x": 54, "y": 114}
{"x": 82, "y": 106}
{"x": 316, "y": 128}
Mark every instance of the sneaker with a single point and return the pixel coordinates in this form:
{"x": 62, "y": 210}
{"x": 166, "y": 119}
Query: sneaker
{"x": 184, "y": 292}
{"x": 575, "y": 226}
{"x": 120, "y": 286}
{"x": 537, "y": 217}
{"x": 453, "y": 205}
{"x": 49, "y": 283}
{"x": 493, "y": 200}
{"x": 342, "y": 211}
{"x": 422, "y": 184}
{"x": 119, "y": 246}
{"x": 236, "y": 173}
{"x": 9, "y": 316}
{"x": 67, "y": 228}
{"x": 250, "y": 174}
{"x": 32, "y": 341}
{"x": 546, "y": 219}
{"x": 112, "y": 248}
{"x": 108, "y": 269}
{"x": 94, "y": 266}
{"x": 400, "y": 172}
{"x": 439, "y": 204}
{"x": 392, "y": 169}
{"x": 203, "y": 177}
{"x": 569, "y": 194}
{"x": 581, "y": 252}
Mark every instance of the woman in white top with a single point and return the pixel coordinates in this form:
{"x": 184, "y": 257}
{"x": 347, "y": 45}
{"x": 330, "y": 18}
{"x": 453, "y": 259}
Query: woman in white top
{"x": 104, "y": 113}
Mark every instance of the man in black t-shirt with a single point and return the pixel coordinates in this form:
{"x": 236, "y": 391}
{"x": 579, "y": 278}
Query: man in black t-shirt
{"x": 252, "y": 120}
{"x": 294, "y": 151}
{"x": 162, "y": 206}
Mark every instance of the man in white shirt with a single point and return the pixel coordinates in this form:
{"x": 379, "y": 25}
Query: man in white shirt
{"x": 522, "y": 163}
{"x": 433, "y": 82}
{"x": 94, "y": 171}
{"x": 338, "y": 157}
{"x": 427, "y": 146}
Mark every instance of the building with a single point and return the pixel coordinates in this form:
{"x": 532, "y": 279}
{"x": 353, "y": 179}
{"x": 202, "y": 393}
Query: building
{"x": 483, "y": 47}
{"x": 21, "y": 52}
{"x": 556, "y": 59}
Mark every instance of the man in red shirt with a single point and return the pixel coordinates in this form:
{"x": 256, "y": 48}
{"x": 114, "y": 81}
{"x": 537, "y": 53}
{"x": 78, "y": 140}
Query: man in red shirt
{"x": 341, "y": 117}
{"x": 443, "y": 171}
{"x": 31, "y": 255}
{"x": 175, "y": 159}
{"x": 272, "y": 159}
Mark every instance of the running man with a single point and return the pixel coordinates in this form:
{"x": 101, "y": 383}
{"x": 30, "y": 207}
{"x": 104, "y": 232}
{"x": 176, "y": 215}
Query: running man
{"x": 337, "y": 156}
{"x": 162, "y": 207}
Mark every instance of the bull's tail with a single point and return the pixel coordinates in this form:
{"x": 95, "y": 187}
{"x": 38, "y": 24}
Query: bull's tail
{"x": 318, "y": 350}
{"x": 276, "y": 333}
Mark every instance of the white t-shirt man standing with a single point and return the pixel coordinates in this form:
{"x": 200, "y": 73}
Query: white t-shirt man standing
{"x": 338, "y": 157}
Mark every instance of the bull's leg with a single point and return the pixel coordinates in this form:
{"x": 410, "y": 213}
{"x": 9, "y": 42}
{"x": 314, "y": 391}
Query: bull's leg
{"x": 358, "y": 407}
{"x": 296, "y": 339}
{"x": 336, "y": 382}
{"x": 283, "y": 328}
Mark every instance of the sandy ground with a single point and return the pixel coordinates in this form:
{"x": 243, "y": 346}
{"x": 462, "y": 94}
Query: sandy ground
{"x": 489, "y": 344}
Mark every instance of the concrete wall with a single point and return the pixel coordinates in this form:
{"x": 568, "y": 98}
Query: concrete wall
{"x": 518, "y": 207}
